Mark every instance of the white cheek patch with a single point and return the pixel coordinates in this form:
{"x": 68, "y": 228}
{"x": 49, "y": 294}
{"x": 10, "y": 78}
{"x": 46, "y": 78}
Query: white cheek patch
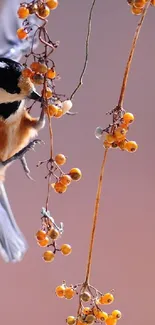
{"x": 3, "y": 64}
{"x": 6, "y": 97}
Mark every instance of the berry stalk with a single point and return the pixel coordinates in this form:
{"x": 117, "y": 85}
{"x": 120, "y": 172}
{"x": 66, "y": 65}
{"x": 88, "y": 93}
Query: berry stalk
{"x": 131, "y": 54}
{"x": 96, "y": 210}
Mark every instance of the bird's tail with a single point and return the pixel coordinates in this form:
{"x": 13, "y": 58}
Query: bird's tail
{"x": 12, "y": 242}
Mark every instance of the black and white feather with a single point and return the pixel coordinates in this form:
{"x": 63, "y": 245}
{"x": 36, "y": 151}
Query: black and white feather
{"x": 12, "y": 242}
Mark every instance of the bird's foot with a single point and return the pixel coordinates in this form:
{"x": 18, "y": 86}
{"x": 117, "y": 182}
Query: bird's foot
{"x": 20, "y": 154}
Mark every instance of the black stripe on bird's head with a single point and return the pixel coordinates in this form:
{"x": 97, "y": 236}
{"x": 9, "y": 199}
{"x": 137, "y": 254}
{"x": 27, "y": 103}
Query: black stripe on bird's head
{"x": 13, "y": 86}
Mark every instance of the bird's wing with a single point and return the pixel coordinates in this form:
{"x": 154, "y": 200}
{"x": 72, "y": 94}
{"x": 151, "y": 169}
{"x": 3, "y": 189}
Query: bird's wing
{"x": 10, "y": 46}
{"x": 12, "y": 242}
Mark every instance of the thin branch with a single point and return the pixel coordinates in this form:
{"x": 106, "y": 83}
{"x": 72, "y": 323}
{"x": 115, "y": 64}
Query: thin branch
{"x": 131, "y": 54}
{"x": 96, "y": 210}
{"x": 87, "y": 51}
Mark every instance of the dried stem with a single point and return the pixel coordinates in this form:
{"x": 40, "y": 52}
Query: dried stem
{"x": 127, "y": 69}
{"x": 97, "y": 202}
{"x": 87, "y": 51}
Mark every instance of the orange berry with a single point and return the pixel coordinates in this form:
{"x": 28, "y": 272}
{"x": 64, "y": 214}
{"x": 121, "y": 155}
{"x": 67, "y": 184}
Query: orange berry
{"x": 43, "y": 11}
{"x": 70, "y": 320}
{"x": 136, "y": 11}
{"x": 34, "y": 66}
{"x": 102, "y": 315}
{"x": 44, "y": 242}
{"x": 60, "y": 159}
{"x": 85, "y": 296}
{"x": 131, "y": 146}
{"x": 23, "y": 12}
{"x": 53, "y": 233}
{"x": 60, "y": 291}
{"x": 52, "y": 4}
{"x": 65, "y": 180}
{"x": 90, "y": 319}
{"x": 21, "y": 33}
{"x": 47, "y": 93}
{"x": 124, "y": 126}
{"x": 120, "y": 133}
{"x": 139, "y": 3}
{"x": 75, "y": 174}
{"x": 121, "y": 144}
{"x": 60, "y": 188}
{"x": 51, "y": 74}
{"x": 69, "y": 293}
{"x": 27, "y": 72}
{"x": 111, "y": 321}
{"x": 51, "y": 110}
{"x": 116, "y": 314}
{"x": 33, "y": 9}
{"x": 107, "y": 298}
{"x": 37, "y": 78}
{"x": 42, "y": 68}
{"x": 86, "y": 310}
{"x": 106, "y": 144}
{"x": 114, "y": 145}
{"x": 40, "y": 235}
{"x": 110, "y": 138}
{"x": 128, "y": 118}
{"x": 59, "y": 113}
{"x": 66, "y": 249}
{"x": 48, "y": 256}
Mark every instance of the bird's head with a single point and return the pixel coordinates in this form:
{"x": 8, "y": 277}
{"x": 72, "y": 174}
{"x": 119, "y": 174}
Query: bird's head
{"x": 13, "y": 86}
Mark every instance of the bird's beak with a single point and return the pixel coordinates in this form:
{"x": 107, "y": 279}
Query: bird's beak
{"x": 35, "y": 96}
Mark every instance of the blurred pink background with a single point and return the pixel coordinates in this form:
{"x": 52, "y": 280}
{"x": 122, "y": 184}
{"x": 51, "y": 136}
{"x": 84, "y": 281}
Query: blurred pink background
{"x": 124, "y": 251}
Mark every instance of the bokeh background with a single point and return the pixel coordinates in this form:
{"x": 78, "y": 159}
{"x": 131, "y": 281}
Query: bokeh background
{"x": 124, "y": 251}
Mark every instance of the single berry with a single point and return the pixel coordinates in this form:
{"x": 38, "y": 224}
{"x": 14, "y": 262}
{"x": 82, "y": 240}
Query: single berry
{"x": 131, "y": 146}
{"x": 60, "y": 291}
{"x": 60, "y": 188}
{"x": 75, "y": 174}
{"x": 128, "y": 118}
{"x": 107, "y": 298}
{"x": 69, "y": 293}
{"x": 116, "y": 314}
{"x": 53, "y": 233}
{"x": 85, "y": 296}
{"x": 60, "y": 159}
{"x": 66, "y": 249}
{"x": 48, "y": 256}
{"x": 44, "y": 242}
{"x": 52, "y": 4}
{"x": 65, "y": 180}
{"x": 21, "y": 33}
{"x": 41, "y": 234}
{"x": 51, "y": 74}
{"x": 23, "y": 12}
{"x": 27, "y": 73}
{"x": 70, "y": 320}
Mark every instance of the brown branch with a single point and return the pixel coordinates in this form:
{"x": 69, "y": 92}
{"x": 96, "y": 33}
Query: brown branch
{"x": 86, "y": 51}
{"x": 131, "y": 54}
{"x": 96, "y": 210}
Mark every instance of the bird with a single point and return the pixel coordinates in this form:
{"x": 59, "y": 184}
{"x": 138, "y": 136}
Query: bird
{"x": 17, "y": 126}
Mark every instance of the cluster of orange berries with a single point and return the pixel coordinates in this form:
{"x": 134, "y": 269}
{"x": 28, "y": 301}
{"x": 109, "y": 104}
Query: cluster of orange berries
{"x": 116, "y": 137}
{"x": 137, "y": 6}
{"x": 38, "y": 72}
{"x": 62, "y": 183}
{"x": 89, "y": 314}
{"x": 47, "y": 238}
{"x": 40, "y": 8}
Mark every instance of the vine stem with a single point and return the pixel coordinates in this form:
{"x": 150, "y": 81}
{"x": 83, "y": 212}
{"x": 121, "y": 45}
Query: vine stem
{"x": 87, "y": 51}
{"x": 96, "y": 209}
{"x": 131, "y": 54}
